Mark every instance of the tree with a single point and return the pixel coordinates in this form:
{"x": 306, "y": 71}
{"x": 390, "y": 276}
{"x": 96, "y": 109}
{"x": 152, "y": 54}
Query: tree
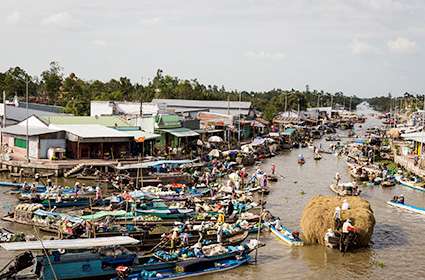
{"x": 51, "y": 81}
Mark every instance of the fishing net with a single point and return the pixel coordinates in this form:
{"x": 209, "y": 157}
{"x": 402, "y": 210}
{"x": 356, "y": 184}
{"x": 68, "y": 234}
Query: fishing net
{"x": 318, "y": 217}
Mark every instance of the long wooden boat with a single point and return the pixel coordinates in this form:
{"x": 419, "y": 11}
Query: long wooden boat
{"x": 419, "y": 186}
{"x": 197, "y": 269}
{"x": 345, "y": 189}
{"x": 285, "y": 235}
{"x": 407, "y": 207}
{"x": 167, "y": 213}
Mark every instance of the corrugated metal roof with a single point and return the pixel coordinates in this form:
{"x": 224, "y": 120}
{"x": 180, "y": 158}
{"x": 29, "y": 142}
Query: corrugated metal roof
{"x": 32, "y": 131}
{"x": 111, "y": 121}
{"x": 70, "y": 244}
{"x": 19, "y": 114}
{"x": 181, "y": 132}
{"x": 203, "y": 103}
{"x": 92, "y": 131}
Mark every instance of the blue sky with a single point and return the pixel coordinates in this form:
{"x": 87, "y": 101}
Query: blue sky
{"x": 363, "y": 47}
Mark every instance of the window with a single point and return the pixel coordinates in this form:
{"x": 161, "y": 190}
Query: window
{"x": 21, "y": 143}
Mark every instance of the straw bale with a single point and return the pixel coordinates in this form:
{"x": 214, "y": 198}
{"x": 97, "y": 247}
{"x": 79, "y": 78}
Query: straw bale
{"x": 318, "y": 215}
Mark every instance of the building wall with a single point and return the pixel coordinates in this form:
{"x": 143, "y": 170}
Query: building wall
{"x": 19, "y": 153}
{"x": 45, "y": 144}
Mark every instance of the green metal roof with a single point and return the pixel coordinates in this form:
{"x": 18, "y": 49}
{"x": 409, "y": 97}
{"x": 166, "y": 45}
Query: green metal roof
{"x": 110, "y": 121}
{"x": 168, "y": 121}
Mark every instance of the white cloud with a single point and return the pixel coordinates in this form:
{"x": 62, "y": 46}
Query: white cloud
{"x": 151, "y": 21}
{"x": 62, "y": 20}
{"x": 13, "y": 18}
{"x": 99, "y": 43}
{"x": 359, "y": 47}
{"x": 265, "y": 55}
{"x": 402, "y": 45}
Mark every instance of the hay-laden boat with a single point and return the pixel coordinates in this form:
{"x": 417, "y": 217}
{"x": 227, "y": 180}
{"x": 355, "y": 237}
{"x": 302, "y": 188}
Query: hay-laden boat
{"x": 407, "y": 207}
{"x": 285, "y": 235}
{"x": 318, "y": 217}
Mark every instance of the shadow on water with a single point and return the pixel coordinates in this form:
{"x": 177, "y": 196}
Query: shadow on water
{"x": 386, "y": 236}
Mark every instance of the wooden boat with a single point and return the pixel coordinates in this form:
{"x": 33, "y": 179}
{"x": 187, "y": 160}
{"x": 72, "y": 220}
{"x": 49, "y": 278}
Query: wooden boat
{"x": 192, "y": 268}
{"x": 407, "y": 207}
{"x": 167, "y": 213}
{"x": 79, "y": 265}
{"x": 345, "y": 189}
{"x": 286, "y": 235}
{"x": 317, "y": 157}
{"x": 10, "y": 184}
{"x": 387, "y": 183}
{"x": 416, "y": 185}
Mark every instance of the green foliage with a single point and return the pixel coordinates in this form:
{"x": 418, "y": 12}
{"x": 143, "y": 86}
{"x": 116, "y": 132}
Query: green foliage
{"x": 75, "y": 94}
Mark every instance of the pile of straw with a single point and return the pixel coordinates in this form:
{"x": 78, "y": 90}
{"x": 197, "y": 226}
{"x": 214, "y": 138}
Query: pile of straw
{"x": 318, "y": 217}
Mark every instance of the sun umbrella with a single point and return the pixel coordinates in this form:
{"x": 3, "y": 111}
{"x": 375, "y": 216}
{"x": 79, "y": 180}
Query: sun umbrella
{"x": 215, "y": 139}
{"x": 214, "y": 153}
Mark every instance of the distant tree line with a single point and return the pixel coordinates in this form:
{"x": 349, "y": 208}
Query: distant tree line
{"x": 75, "y": 94}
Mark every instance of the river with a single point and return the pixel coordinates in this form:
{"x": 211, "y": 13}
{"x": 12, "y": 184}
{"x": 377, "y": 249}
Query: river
{"x": 396, "y": 250}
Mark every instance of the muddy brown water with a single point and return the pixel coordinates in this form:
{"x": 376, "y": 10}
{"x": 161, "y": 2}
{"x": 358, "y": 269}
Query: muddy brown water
{"x": 397, "y": 250}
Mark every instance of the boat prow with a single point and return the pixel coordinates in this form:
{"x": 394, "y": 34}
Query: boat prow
{"x": 407, "y": 207}
{"x": 285, "y": 235}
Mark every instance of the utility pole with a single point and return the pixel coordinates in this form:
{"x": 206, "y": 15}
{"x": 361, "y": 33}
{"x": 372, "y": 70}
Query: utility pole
{"x": 239, "y": 130}
{"x": 27, "y": 81}
{"x": 4, "y": 109}
{"x": 332, "y": 101}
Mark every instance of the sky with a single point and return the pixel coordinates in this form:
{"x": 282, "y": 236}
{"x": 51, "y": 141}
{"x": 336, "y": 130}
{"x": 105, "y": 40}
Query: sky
{"x": 361, "y": 47}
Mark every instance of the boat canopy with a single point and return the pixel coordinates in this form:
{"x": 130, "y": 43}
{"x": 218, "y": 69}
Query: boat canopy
{"x": 69, "y": 243}
{"x": 289, "y": 131}
{"x": 154, "y": 163}
{"x": 43, "y": 213}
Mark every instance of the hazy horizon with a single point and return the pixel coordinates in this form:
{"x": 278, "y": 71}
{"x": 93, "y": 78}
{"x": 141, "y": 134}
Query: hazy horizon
{"x": 364, "y": 47}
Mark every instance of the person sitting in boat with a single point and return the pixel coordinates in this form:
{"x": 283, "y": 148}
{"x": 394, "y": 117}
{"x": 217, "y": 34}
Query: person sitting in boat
{"x": 328, "y": 235}
{"x": 77, "y": 188}
{"x": 33, "y": 188}
{"x": 49, "y": 183}
{"x": 98, "y": 193}
{"x": 345, "y": 205}
{"x": 296, "y": 235}
{"x": 220, "y": 233}
{"x": 300, "y": 157}
{"x": 395, "y": 199}
{"x": 229, "y": 208}
{"x": 401, "y": 199}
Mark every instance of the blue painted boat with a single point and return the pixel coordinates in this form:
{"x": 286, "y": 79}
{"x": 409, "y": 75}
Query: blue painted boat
{"x": 79, "y": 202}
{"x": 10, "y": 184}
{"x": 413, "y": 184}
{"x": 407, "y": 207}
{"x": 79, "y": 265}
{"x": 285, "y": 235}
{"x": 199, "y": 269}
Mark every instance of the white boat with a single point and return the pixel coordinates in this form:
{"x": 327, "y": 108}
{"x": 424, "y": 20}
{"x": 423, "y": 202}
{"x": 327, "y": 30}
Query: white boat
{"x": 285, "y": 235}
{"x": 416, "y": 185}
{"x": 345, "y": 189}
{"x": 407, "y": 207}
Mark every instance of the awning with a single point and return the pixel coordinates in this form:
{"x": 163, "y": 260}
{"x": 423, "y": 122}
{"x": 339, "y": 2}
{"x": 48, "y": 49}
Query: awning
{"x": 181, "y": 132}
{"x": 139, "y": 133}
